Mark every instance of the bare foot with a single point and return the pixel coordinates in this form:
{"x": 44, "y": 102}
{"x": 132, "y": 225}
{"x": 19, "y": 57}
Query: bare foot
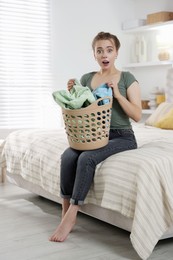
{"x": 66, "y": 225}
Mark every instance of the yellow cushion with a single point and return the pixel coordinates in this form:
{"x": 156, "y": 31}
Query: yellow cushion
{"x": 159, "y": 113}
{"x": 166, "y": 122}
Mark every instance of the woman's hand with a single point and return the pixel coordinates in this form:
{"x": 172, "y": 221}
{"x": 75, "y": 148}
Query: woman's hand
{"x": 113, "y": 84}
{"x": 70, "y": 84}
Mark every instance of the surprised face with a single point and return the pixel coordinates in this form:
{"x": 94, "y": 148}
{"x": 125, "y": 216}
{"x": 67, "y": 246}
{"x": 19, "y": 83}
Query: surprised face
{"x": 105, "y": 53}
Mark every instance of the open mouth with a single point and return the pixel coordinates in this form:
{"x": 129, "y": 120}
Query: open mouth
{"x": 105, "y": 62}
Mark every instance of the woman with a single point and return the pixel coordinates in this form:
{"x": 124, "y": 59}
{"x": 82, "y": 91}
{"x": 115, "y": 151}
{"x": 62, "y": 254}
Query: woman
{"x": 78, "y": 167}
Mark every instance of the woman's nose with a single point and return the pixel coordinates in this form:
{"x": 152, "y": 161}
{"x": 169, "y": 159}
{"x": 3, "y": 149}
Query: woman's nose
{"x": 104, "y": 54}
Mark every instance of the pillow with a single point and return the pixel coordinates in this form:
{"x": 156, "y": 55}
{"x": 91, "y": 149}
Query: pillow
{"x": 158, "y": 114}
{"x": 166, "y": 122}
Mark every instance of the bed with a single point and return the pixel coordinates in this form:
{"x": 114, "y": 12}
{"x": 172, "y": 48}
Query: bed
{"x": 131, "y": 190}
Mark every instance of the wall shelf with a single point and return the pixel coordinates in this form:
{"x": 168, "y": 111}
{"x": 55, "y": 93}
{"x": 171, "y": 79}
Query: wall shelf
{"x": 152, "y": 65}
{"x": 147, "y": 64}
{"x": 147, "y": 111}
{"x": 155, "y": 26}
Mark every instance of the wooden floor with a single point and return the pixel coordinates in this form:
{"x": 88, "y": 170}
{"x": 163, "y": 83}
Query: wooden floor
{"x": 27, "y": 220}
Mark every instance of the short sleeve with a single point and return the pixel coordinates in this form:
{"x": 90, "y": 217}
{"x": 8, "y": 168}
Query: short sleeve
{"x": 86, "y": 79}
{"x": 83, "y": 80}
{"x": 129, "y": 78}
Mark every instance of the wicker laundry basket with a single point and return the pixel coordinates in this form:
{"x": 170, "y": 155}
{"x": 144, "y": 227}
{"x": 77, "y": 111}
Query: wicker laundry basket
{"x": 88, "y": 128}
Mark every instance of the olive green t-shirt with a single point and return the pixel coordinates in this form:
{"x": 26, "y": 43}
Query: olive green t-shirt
{"x": 119, "y": 119}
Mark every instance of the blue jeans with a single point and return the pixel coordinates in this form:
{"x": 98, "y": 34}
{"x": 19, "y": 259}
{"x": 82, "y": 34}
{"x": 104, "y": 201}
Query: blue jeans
{"x": 78, "y": 167}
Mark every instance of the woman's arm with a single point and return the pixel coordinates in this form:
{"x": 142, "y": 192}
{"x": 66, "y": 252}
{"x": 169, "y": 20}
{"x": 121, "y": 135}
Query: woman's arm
{"x": 132, "y": 104}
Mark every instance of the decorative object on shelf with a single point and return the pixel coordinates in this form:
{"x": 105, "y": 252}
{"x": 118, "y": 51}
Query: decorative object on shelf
{"x": 164, "y": 55}
{"x": 164, "y": 44}
{"x": 140, "y": 49}
{"x": 169, "y": 86}
{"x": 152, "y": 104}
{"x": 129, "y": 24}
{"x": 144, "y": 104}
{"x": 157, "y": 96}
{"x": 136, "y": 51}
{"x": 159, "y": 17}
{"x": 160, "y": 97}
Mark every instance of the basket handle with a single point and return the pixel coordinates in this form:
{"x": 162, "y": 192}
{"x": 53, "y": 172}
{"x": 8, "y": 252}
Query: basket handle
{"x": 95, "y": 104}
{"x": 101, "y": 99}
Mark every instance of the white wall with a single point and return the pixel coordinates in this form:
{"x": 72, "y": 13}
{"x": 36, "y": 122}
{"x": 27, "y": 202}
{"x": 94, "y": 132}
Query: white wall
{"x": 75, "y": 23}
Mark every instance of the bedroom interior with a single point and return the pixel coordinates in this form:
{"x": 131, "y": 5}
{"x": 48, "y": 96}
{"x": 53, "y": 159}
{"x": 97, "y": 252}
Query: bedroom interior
{"x": 137, "y": 207}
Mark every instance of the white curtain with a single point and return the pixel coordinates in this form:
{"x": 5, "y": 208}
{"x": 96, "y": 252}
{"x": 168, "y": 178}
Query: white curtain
{"x": 25, "y": 67}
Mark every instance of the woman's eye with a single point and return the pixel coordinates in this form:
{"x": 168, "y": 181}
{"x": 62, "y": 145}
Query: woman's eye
{"x": 110, "y": 50}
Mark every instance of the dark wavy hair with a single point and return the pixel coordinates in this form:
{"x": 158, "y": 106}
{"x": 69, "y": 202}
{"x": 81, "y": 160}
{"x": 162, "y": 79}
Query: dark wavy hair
{"x": 106, "y": 36}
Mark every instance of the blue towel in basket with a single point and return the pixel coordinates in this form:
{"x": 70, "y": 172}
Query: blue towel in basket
{"x": 101, "y": 92}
